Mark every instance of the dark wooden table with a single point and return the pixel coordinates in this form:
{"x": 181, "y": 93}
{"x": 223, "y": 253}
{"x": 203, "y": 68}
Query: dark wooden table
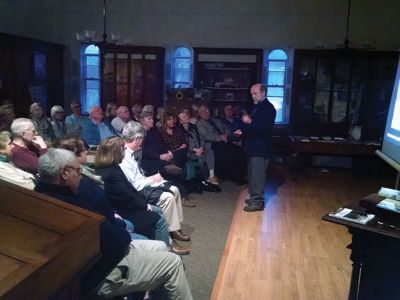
{"x": 375, "y": 252}
{"x": 301, "y": 145}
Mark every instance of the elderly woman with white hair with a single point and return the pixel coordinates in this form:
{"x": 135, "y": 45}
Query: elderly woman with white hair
{"x": 8, "y": 171}
{"x": 42, "y": 124}
{"x": 57, "y": 115}
{"x": 27, "y": 145}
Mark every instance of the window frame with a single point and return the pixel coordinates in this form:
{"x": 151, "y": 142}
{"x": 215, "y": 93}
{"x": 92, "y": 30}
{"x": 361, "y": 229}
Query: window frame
{"x": 174, "y": 83}
{"x": 286, "y": 80}
{"x": 85, "y": 79}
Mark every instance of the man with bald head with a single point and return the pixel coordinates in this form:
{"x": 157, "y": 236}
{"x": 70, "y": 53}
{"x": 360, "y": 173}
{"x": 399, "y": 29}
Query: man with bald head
{"x": 256, "y": 129}
{"x": 96, "y": 129}
{"x": 121, "y": 119}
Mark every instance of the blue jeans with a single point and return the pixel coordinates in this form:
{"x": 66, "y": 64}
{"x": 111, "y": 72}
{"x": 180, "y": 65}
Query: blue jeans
{"x": 131, "y": 228}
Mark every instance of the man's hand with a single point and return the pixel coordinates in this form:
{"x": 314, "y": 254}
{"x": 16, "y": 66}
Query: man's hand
{"x": 224, "y": 138}
{"x": 238, "y": 132}
{"x": 156, "y": 177}
{"x": 246, "y": 119}
{"x": 149, "y": 207}
{"x": 39, "y": 141}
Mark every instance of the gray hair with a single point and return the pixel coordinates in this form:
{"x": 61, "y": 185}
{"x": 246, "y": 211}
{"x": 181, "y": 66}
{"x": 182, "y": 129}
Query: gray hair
{"x": 145, "y": 114}
{"x": 18, "y": 126}
{"x": 55, "y": 109}
{"x": 33, "y": 106}
{"x": 132, "y": 130}
{"x": 52, "y": 161}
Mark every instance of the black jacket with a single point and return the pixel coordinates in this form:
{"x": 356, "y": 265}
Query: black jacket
{"x": 153, "y": 146}
{"x": 127, "y": 201}
{"x": 114, "y": 239}
{"x": 257, "y": 135}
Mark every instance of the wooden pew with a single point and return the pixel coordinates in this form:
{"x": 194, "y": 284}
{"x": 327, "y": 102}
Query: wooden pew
{"x": 45, "y": 245}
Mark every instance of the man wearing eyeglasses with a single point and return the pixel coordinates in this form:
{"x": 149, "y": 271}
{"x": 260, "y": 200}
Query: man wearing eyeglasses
{"x": 124, "y": 267}
{"x": 75, "y": 120}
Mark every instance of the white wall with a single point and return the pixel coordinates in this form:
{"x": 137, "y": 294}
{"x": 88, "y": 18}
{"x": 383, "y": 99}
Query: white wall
{"x": 206, "y": 23}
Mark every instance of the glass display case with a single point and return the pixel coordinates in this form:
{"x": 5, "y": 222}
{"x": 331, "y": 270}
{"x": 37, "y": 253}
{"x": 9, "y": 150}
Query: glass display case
{"x": 132, "y": 74}
{"x": 336, "y": 89}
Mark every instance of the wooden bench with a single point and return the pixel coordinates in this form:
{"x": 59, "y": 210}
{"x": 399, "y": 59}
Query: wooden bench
{"x": 45, "y": 245}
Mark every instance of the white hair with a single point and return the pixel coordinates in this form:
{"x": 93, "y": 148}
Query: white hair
{"x": 52, "y": 161}
{"x": 18, "y": 126}
{"x": 55, "y": 109}
{"x": 132, "y": 130}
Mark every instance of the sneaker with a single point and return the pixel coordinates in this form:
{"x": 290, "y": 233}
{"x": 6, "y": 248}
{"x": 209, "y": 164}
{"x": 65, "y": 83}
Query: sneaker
{"x": 213, "y": 180}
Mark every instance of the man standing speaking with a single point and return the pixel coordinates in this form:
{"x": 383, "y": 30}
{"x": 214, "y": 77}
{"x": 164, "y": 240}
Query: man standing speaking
{"x": 256, "y": 129}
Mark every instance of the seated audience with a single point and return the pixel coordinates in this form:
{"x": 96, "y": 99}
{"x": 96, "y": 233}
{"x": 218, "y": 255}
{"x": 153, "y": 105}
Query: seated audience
{"x": 42, "y": 124}
{"x": 96, "y": 130}
{"x": 148, "y": 108}
{"x": 27, "y": 145}
{"x": 160, "y": 117}
{"x": 229, "y": 159}
{"x": 77, "y": 145}
{"x": 123, "y": 267}
{"x": 75, "y": 120}
{"x": 155, "y": 154}
{"x": 169, "y": 200}
{"x": 57, "y": 116}
{"x": 231, "y": 121}
{"x": 121, "y": 119}
{"x": 194, "y": 115}
{"x": 136, "y": 111}
{"x": 195, "y": 169}
{"x": 8, "y": 171}
{"x": 125, "y": 200}
{"x": 176, "y": 139}
{"x": 7, "y": 115}
{"x": 110, "y": 112}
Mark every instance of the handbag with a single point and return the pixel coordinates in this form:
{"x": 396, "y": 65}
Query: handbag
{"x": 152, "y": 194}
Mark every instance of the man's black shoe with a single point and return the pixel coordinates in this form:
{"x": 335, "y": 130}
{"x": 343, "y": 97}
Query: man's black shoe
{"x": 253, "y": 207}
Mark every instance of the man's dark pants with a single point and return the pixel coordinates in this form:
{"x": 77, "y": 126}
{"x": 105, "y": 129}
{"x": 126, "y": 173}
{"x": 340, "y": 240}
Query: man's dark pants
{"x": 256, "y": 168}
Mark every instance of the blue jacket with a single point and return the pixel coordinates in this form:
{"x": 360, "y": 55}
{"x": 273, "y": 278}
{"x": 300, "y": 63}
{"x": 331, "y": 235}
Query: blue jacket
{"x": 257, "y": 135}
{"x": 91, "y": 133}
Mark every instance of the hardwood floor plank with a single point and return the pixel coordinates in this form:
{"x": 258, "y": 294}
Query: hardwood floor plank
{"x": 287, "y": 251}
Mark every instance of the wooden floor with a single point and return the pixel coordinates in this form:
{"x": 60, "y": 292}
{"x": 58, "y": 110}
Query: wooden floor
{"x": 287, "y": 251}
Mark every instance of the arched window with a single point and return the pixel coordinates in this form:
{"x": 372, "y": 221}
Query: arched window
{"x": 90, "y": 75}
{"x": 276, "y": 64}
{"x": 181, "y": 68}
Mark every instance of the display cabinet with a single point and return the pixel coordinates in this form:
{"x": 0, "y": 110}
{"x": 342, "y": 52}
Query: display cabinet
{"x": 132, "y": 74}
{"x": 336, "y": 89}
{"x": 227, "y": 74}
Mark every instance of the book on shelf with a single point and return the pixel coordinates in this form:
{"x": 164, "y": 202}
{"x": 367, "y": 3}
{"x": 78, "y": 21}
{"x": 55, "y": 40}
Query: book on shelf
{"x": 351, "y": 215}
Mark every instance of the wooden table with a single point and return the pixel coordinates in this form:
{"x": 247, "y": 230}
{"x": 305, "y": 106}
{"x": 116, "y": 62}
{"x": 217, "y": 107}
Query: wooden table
{"x": 303, "y": 145}
{"x": 375, "y": 252}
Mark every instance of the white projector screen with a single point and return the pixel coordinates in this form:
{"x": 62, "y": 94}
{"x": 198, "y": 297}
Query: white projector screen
{"x": 391, "y": 139}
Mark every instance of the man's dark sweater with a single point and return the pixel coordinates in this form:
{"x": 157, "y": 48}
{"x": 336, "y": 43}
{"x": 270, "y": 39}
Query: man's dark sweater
{"x": 114, "y": 239}
{"x": 257, "y": 135}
